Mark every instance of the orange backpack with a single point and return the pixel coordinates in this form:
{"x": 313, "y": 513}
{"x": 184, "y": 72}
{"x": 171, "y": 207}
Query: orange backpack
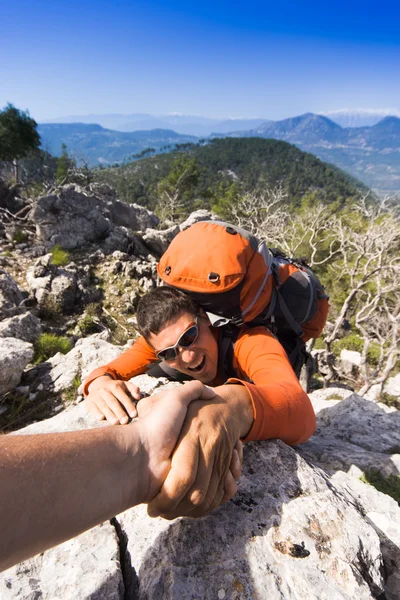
{"x": 237, "y": 279}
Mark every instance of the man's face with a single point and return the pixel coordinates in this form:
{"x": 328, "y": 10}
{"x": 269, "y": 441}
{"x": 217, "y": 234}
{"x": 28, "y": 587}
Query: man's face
{"x": 200, "y": 360}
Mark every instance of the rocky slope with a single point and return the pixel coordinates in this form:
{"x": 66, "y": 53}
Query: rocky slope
{"x": 302, "y": 525}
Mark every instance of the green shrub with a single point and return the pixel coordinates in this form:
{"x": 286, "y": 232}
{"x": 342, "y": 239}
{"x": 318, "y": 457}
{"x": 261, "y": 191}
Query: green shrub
{"x": 48, "y": 345}
{"x": 60, "y": 257}
{"x": 354, "y": 342}
{"x": 390, "y": 400}
{"x": 69, "y": 395}
{"x": 388, "y": 485}
{"x": 20, "y": 236}
{"x": 88, "y": 325}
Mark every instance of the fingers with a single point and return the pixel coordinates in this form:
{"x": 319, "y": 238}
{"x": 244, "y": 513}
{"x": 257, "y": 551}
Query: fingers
{"x": 230, "y": 486}
{"x": 194, "y": 390}
{"x": 92, "y": 408}
{"x": 183, "y": 470}
{"x": 114, "y": 401}
{"x": 237, "y": 460}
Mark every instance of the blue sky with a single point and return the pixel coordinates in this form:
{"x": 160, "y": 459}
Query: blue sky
{"x": 222, "y": 59}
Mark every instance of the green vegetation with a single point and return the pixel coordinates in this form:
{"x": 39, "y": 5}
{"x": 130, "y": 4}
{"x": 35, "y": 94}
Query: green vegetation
{"x": 388, "y": 485}
{"x": 390, "y": 400}
{"x": 224, "y": 169}
{"x": 69, "y": 395}
{"x": 20, "y": 236}
{"x": 60, "y": 257}
{"x": 354, "y": 342}
{"x": 48, "y": 344}
{"x": 64, "y": 165}
{"x": 18, "y": 135}
{"x": 21, "y": 410}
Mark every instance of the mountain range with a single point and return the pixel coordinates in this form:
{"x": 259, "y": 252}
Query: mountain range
{"x": 370, "y": 154}
{"x": 183, "y": 124}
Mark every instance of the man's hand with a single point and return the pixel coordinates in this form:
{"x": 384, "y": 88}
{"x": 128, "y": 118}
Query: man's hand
{"x": 160, "y": 422}
{"x": 112, "y": 399}
{"x": 201, "y": 477}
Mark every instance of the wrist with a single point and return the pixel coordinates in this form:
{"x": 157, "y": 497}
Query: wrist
{"x": 239, "y": 401}
{"x": 135, "y": 459}
{"x": 98, "y": 382}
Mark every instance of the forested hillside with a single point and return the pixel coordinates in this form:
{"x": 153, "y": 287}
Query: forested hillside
{"x": 203, "y": 175}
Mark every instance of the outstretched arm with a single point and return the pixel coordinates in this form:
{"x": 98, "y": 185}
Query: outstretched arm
{"x": 54, "y": 486}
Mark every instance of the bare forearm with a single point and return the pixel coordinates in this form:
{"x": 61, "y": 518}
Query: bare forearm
{"x": 53, "y": 487}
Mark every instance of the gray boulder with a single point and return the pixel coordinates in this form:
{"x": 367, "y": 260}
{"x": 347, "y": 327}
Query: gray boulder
{"x": 133, "y": 216}
{"x": 25, "y": 327}
{"x": 10, "y": 295}
{"x": 291, "y": 531}
{"x": 158, "y": 240}
{"x": 70, "y": 218}
{"x": 392, "y": 386}
{"x": 198, "y": 215}
{"x": 354, "y": 435}
{"x": 74, "y": 217}
{"x": 54, "y": 288}
{"x": 61, "y": 370}
{"x": 14, "y": 356}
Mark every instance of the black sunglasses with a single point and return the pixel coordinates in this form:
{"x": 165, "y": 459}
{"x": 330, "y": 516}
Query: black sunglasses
{"x": 187, "y": 338}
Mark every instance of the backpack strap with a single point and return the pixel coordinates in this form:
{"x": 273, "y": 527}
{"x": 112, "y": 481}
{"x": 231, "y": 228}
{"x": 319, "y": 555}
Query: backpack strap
{"x": 282, "y": 305}
{"x": 228, "y": 336}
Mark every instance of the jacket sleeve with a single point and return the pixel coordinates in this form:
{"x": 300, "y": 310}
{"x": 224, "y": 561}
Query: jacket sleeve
{"x": 282, "y": 409}
{"x": 128, "y": 364}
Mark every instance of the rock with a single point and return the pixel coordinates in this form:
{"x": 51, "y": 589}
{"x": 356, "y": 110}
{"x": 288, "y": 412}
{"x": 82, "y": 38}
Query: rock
{"x": 133, "y": 216}
{"x": 286, "y": 533}
{"x": 61, "y": 572}
{"x": 14, "y": 356}
{"x": 60, "y": 289}
{"x": 61, "y": 371}
{"x": 25, "y": 327}
{"x": 392, "y": 386}
{"x": 70, "y": 218}
{"x": 382, "y": 512}
{"x": 10, "y": 295}
{"x": 354, "y": 432}
{"x": 158, "y": 240}
{"x": 350, "y": 362}
{"x": 291, "y": 531}
{"x": 74, "y": 217}
{"x": 198, "y": 215}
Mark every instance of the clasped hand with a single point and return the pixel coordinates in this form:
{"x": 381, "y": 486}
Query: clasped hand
{"x": 207, "y": 457}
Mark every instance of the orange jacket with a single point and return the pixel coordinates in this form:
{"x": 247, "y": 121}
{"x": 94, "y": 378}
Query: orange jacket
{"x": 282, "y": 409}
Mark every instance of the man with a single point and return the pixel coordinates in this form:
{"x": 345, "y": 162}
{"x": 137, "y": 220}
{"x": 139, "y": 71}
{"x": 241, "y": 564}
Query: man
{"x": 263, "y": 401}
{"x": 55, "y": 486}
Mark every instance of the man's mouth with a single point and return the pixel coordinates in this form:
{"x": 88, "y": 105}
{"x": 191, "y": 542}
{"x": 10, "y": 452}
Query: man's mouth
{"x": 198, "y": 367}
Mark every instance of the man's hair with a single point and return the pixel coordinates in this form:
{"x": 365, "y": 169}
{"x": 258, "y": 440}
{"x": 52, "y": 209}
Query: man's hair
{"x": 160, "y": 306}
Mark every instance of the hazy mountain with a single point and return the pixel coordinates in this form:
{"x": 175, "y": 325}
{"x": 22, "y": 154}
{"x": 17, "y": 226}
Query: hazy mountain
{"x": 97, "y": 145}
{"x": 183, "y": 124}
{"x": 371, "y": 154}
{"x": 361, "y": 117}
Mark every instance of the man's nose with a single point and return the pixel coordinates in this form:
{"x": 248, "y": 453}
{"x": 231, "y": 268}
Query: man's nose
{"x": 186, "y": 354}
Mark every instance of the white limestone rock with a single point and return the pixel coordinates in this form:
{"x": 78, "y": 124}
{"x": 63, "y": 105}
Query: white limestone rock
{"x": 392, "y": 385}
{"x": 159, "y": 240}
{"x": 354, "y": 432}
{"x": 25, "y": 327}
{"x": 82, "y": 568}
{"x": 197, "y": 215}
{"x": 14, "y": 356}
{"x": 10, "y": 295}
{"x": 288, "y": 533}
